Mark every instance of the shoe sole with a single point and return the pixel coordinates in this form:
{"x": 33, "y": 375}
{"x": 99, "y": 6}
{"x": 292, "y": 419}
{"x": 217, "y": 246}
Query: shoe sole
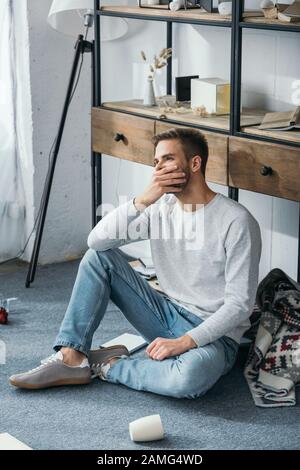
{"x": 50, "y": 384}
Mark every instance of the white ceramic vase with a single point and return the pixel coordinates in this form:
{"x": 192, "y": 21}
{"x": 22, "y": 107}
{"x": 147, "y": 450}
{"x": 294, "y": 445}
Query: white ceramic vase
{"x": 149, "y": 95}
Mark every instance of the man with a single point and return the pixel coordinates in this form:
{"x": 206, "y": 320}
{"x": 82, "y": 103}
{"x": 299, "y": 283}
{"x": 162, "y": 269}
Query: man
{"x": 208, "y": 275}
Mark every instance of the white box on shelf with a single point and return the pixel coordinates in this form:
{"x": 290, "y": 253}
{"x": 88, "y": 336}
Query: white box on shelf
{"x": 212, "y": 93}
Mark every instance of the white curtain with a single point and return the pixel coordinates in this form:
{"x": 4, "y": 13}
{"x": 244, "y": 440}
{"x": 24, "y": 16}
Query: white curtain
{"x": 12, "y": 208}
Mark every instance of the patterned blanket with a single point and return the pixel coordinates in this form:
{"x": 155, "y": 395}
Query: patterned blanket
{"x": 273, "y": 365}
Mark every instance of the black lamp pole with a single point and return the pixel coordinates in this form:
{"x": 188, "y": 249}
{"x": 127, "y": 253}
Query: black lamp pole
{"x": 81, "y": 47}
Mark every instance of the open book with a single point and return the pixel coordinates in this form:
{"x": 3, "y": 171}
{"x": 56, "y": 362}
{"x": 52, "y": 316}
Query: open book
{"x": 8, "y": 442}
{"x": 281, "y": 121}
{"x": 291, "y": 13}
{"x": 293, "y": 10}
{"x": 131, "y": 341}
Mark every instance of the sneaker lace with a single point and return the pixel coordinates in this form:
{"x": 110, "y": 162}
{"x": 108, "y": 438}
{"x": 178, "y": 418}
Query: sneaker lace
{"x": 45, "y": 362}
{"x": 46, "y": 359}
{"x": 96, "y": 368}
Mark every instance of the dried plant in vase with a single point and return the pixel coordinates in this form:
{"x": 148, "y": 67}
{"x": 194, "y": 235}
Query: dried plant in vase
{"x": 200, "y": 111}
{"x": 157, "y": 63}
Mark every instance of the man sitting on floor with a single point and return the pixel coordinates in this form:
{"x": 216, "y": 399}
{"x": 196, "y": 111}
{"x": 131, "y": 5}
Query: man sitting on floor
{"x": 206, "y": 250}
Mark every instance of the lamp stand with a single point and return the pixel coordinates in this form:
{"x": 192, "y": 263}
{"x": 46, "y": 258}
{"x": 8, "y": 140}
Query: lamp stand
{"x": 81, "y": 47}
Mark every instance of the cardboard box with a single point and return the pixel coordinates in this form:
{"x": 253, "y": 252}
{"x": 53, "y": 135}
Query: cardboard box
{"x": 212, "y": 93}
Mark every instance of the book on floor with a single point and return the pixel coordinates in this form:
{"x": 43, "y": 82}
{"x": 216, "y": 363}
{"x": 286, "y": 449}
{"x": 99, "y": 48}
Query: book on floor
{"x": 8, "y": 442}
{"x": 281, "y": 121}
{"x": 146, "y": 261}
{"x": 147, "y": 273}
{"x": 131, "y": 341}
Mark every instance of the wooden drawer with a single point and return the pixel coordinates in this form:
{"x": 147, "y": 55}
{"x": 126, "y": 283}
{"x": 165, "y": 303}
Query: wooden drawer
{"x": 217, "y": 163}
{"x": 264, "y": 167}
{"x": 122, "y": 135}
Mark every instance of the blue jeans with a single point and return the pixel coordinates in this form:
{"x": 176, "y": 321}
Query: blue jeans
{"x": 107, "y": 275}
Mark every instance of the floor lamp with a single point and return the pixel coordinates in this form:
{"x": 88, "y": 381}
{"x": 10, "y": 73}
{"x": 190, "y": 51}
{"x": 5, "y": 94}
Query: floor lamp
{"x": 68, "y": 17}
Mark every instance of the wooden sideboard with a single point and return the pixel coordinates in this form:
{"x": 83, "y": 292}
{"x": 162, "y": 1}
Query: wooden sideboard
{"x": 250, "y": 164}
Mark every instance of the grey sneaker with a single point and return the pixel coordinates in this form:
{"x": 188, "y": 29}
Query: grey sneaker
{"x": 97, "y": 357}
{"x": 53, "y": 372}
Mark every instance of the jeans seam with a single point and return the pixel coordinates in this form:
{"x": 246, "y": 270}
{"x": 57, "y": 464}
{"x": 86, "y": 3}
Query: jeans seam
{"x": 228, "y": 358}
{"x": 69, "y": 344}
{"x": 143, "y": 300}
{"x": 93, "y": 318}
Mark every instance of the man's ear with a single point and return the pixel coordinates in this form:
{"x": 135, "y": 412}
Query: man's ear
{"x": 196, "y": 163}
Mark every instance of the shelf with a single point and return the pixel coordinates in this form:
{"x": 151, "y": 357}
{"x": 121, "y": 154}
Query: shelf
{"x": 218, "y": 123}
{"x": 192, "y": 16}
{"x": 268, "y": 23}
{"x": 196, "y": 16}
{"x": 249, "y": 118}
{"x": 292, "y": 136}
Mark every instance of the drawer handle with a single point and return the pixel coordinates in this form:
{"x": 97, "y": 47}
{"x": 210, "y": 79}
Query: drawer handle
{"x": 119, "y": 137}
{"x": 266, "y": 170}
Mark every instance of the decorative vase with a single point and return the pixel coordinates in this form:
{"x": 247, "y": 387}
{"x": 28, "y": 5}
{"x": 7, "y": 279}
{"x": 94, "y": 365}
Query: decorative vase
{"x": 149, "y": 96}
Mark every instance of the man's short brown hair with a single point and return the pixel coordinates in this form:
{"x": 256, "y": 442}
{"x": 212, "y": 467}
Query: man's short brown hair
{"x": 193, "y": 143}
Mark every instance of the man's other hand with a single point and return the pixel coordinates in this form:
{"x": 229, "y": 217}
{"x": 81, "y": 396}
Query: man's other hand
{"x": 161, "y": 348}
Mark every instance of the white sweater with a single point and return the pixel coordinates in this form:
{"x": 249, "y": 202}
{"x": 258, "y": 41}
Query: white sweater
{"x": 211, "y": 270}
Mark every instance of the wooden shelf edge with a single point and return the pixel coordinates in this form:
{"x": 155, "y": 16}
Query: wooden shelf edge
{"x": 209, "y": 125}
{"x": 262, "y": 21}
{"x": 214, "y": 125}
{"x": 286, "y": 136}
{"x": 188, "y": 15}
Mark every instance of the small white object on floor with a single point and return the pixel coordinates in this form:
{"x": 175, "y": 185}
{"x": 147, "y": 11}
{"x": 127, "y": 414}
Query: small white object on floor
{"x": 131, "y": 341}
{"x": 145, "y": 429}
{"x": 8, "y": 442}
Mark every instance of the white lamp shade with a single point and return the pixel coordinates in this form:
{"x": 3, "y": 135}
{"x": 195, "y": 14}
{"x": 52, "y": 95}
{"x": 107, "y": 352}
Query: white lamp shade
{"x": 67, "y": 16}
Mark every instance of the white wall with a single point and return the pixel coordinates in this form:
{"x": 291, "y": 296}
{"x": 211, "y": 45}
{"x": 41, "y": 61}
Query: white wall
{"x": 69, "y": 213}
{"x": 124, "y": 79}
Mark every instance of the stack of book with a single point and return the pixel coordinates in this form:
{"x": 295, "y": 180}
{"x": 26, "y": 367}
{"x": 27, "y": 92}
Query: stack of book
{"x": 281, "y": 121}
{"x": 291, "y": 14}
{"x": 145, "y": 268}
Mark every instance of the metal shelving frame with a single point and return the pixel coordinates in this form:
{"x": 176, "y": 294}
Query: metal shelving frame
{"x": 237, "y": 25}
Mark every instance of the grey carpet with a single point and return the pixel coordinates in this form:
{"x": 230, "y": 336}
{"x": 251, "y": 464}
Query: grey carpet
{"x": 97, "y": 416}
